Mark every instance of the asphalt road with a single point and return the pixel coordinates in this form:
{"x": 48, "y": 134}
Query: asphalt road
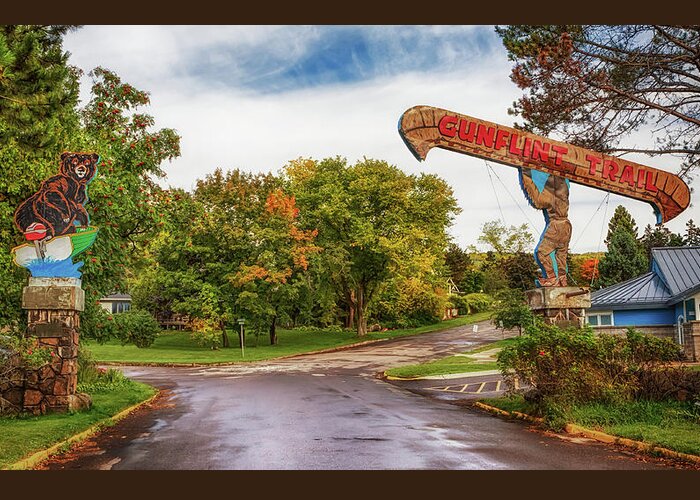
{"x": 328, "y": 411}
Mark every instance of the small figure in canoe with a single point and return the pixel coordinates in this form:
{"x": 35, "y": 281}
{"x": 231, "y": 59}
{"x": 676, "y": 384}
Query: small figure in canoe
{"x": 54, "y": 218}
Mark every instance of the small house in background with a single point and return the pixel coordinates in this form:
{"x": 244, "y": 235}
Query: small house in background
{"x": 116, "y": 303}
{"x": 664, "y": 302}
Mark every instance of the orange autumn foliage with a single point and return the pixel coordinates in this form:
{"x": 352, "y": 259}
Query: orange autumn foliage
{"x": 589, "y": 269}
{"x": 279, "y": 204}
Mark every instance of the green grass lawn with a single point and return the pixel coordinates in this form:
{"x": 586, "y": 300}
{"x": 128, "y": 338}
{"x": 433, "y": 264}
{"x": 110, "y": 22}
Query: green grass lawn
{"x": 22, "y": 436}
{"x": 178, "y": 347}
{"x": 448, "y": 365}
{"x": 670, "y": 424}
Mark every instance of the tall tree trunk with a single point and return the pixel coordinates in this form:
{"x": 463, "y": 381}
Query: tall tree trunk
{"x": 350, "y": 299}
{"x": 224, "y": 336}
{"x": 360, "y": 312}
{"x": 273, "y": 331}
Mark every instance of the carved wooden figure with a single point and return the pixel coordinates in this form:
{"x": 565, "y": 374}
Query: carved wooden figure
{"x": 545, "y": 167}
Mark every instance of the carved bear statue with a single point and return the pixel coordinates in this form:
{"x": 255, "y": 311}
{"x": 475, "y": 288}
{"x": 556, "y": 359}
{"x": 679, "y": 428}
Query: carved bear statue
{"x": 58, "y": 205}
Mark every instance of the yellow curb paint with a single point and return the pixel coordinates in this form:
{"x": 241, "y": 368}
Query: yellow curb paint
{"x": 600, "y": 436}
{"x": 38, "y": 457}
{"x": 392, "y": 377}
{"x": 597, "y": 435}
{"x": 492, "y": 409}
{"x": 630, "y": 443}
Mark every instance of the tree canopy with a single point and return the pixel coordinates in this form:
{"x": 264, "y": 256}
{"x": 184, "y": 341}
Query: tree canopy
{"x": 595, "y": 84}
{"x": 379, "y": 228}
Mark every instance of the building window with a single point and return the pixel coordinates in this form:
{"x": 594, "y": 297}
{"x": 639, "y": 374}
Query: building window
{"x": 600, "y": 319}
{"x": 690, "y": 310}
{"x": 118, "y": 307}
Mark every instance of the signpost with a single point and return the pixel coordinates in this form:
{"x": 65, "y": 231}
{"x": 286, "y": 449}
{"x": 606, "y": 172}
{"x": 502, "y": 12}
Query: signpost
{"x": 241, "y": 336}
{"x": 545, "y": 168}
{"x": 57, "y": 228}
{"x": 425, "y": 127}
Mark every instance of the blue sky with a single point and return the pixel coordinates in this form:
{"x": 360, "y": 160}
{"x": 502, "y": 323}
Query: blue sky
{"x": 255, "y": 97}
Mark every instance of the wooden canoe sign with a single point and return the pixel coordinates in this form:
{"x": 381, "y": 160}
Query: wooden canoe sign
{"x": 424, "y": 127}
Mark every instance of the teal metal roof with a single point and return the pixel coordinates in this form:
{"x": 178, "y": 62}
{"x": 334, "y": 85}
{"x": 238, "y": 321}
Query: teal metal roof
{"x": 645, "y": 290}
{"x": 679, "y": 267}
{"x": 674, "y": 275}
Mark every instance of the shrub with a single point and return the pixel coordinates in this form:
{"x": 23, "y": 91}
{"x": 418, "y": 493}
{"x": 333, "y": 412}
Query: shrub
{"x": 472, "y": 303}
{"x": 87, "y": 366}
{"x": 134, "y": 326}
{"x": 511, "y": 311}
{"x": 19, "y": 351}
{"x": 18, "y": 355}
{"x": 574, "y": 366}
{"x": 663, "y": 383}
{"x": 408, "y": 303}
{"x": 107, "y": 380}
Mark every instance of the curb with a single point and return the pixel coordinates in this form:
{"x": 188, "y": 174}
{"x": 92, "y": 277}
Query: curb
{"x": 510, "y": 414}
{"x": 448, "y": 376}
{"x": 631, "y": 443}
{"x": 36, "y": 458}
{"x": 602, "y": 437}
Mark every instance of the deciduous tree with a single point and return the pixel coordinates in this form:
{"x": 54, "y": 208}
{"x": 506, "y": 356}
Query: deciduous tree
{"x": 375, "y": 224}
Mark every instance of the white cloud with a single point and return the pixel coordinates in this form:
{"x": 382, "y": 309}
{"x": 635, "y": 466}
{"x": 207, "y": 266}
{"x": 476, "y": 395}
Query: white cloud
{"x": 233, "y": 127}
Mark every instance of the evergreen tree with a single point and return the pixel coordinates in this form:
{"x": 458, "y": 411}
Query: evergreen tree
{"x": 38, "y": 89}
{"x": 621, "y": 219}
{"x": 692, "y": 234}
{"x": 659, "y": 237}
{"x": 625, "y": 258}
{"x": 458, "y": 262}
{"x": 520, "y": 270}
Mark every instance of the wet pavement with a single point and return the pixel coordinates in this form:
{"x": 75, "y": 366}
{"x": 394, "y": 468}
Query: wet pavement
{"x": 331, "y": 411}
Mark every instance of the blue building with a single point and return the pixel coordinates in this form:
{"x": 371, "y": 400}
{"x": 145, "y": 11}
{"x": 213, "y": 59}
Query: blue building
{"x": 659, "y": 300}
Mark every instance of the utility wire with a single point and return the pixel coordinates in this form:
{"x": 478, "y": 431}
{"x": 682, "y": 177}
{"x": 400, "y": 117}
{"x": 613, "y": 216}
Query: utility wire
{"x": 600, "y": 240}
{"x": 488, "y": 170}
{"x": 607, "y": 196}
{"x": 517, "y": 204}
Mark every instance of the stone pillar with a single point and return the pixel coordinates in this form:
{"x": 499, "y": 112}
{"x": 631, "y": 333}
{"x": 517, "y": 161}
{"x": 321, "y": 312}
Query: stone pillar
{"x": 53, "y": 306}
{"x": 562, "y": 306}
{"x": 691, "y": 340}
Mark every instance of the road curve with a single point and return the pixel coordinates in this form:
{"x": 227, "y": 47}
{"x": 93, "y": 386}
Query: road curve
{"x": 328, "y": 411}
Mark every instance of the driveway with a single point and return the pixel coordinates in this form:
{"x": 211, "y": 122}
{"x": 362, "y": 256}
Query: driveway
{"x": 328, "y": 411}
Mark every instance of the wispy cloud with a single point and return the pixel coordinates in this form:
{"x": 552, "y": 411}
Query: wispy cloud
{"x": 256, "y": 97}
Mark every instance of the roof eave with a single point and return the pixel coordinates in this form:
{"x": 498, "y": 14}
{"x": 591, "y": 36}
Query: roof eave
{"x": 628, "y": 306}
{"x": 684, "y": 295}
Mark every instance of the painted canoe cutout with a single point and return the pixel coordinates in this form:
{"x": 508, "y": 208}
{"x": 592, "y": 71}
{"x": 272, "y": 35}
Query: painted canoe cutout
{"x": 545, "y": 168}
{"x": 426, "y": 127}
{"x": 55, "y": 222}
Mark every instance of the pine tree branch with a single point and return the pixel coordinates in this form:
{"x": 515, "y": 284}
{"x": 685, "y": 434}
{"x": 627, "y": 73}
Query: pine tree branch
{"x": 13, "y": 100}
